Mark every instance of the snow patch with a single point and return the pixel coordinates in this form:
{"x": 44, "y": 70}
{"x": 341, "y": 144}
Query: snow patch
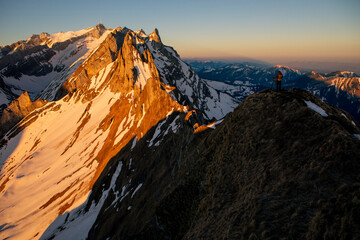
{"x": 98, "y": 80}
{"x": 157, "y": 133}
{"x": 214, "y": 124}
{"x": 124, "y": 127}
{"x": 316, "y": 108}
{"x": 143, "y": 70}
{"x": 136, "y": 189}
{"x": 134, "y": 143}
{"x": 357, "y": 135}
{"x": 173, "y": 126}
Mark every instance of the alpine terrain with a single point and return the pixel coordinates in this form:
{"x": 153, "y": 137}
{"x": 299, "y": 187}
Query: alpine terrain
{"x": 109, "y": 134}
{"x": 96, "y": 90}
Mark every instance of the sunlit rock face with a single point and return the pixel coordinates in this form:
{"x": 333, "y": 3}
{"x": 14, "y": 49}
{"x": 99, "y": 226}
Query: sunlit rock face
{"x": 119, "y": 90}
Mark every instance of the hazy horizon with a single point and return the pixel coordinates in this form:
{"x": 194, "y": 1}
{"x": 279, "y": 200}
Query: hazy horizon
{"x": 319, "y": 66}
{"x": 298, "y": 33}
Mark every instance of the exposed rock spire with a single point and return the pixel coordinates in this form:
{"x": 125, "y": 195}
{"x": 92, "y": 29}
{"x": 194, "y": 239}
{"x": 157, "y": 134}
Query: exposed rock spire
{"x": 154, "y": 36}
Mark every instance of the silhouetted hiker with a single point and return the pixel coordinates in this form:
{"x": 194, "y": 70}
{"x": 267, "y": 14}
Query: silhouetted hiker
{"x": 279, "y": 76}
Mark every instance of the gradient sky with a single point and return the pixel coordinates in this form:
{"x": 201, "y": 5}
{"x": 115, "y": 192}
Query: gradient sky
{"x": 269, "y": 30}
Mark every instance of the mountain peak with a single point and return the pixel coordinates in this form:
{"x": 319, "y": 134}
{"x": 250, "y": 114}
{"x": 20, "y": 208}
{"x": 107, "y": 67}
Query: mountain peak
{"x": 98, "y": 30}
{"x": 154, "y": 36}
{"x": 100, "y": 26}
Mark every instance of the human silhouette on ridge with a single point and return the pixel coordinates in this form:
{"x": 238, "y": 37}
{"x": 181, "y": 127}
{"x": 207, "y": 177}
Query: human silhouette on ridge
{"x": 279, "y": 76}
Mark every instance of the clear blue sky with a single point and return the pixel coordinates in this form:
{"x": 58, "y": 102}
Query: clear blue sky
{"x": 270, "y": 30}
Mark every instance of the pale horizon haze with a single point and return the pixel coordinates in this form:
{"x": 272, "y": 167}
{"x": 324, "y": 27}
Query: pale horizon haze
{"x": 319, "y": 34}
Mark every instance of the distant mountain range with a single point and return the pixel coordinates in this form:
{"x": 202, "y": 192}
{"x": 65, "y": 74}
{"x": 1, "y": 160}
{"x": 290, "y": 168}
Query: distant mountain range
{"x": 341, "y": 89}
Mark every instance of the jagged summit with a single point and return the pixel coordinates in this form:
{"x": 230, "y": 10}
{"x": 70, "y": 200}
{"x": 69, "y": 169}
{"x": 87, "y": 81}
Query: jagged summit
{"x": 282, "y": 165}
{"x": 154, "y": 36}
{"x": 100, "y": 26}
{"x": 106, "y": 89}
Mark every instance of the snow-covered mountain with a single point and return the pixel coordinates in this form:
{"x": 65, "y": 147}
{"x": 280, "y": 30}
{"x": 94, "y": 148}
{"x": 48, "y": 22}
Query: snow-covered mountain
{"x": 105, "y": 88}
{"x": 341, "y": 89}
{"x": 32, "y": 64}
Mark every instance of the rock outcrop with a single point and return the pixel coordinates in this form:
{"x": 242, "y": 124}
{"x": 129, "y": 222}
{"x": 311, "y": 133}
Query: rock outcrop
{"x": 17, "y": 110}
{"x": 154, "y": 36}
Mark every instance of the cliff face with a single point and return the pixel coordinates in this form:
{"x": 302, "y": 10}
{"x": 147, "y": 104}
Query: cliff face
{"x": 282, "y": 165}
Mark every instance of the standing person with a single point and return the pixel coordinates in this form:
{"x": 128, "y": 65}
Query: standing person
{"x": 279, "y": 76}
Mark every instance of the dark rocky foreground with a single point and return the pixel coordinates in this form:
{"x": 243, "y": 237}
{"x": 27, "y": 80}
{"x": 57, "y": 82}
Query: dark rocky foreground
{"x": 273, "y": 169}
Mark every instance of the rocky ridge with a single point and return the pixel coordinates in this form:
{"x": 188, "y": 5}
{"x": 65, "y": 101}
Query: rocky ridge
{"x": 282, "y": 165}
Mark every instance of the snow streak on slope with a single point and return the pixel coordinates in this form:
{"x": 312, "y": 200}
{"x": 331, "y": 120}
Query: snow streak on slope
{"x": 316, "y": 108}
{"x": 142, "y": 69}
